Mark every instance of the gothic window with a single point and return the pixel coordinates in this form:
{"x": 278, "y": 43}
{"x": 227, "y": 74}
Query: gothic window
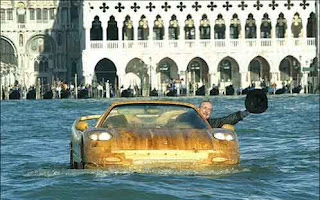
{"x": 96, "y": 29}
{"x": 51, "y": 13}
{"x": 2, "y": 14}
{"x": 311, "y": 26}
{"x": 38, "y": 14}
{"x": 36, "y": 66}
{"x": 41, "y": 67}
{"x": 235, "y": 27}
{"x": 251, "y": 29}
{"x": 174, "y": 30}
{"x": 143, "y": 29}
{"x": 265, "y": 28}
{"x": 21, "y": 12}
{"x": 164, "y": 69}
{"x": 204, "y": 27}
{"x": 225, "y": 70}
{"x": 112, "y": 30}
{"x": 158, "y": 29}
{"x": 219, "y": 28}
{"x": 296, "y": 26}
{"x": 9, "y": 14}
{"x": 127, "y": 30}
{"x": 45, "y": 14}
{"x": 46, "y": 66}
{"x": 281, "y": 26}
{"x": 189, "y": 29}
{"x": 31, "y": 10}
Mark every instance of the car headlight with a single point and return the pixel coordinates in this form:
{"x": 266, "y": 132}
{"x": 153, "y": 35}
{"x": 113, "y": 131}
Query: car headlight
{"x": 103, "y": 136}
{"x": 224, "y": 136}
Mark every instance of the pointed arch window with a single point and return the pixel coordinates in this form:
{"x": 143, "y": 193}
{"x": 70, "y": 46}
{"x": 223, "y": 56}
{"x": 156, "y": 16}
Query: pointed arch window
{"x": 219, "y": 28}
{"x": 265, "y": 28}
{"x": 281, "y": 26}
{"x": 189, "y": 28}
{"x": 204, "y": 27}
{"x": 235, "y": 27}
{"x": 46, "y": 66}
{"x": 311, "y": 26}
{"x": 158, "y": 28}
{"x": 296, "y": 26}
{"x": 251, "y": 29}
{"x": 112, "y": 30}
{"x": 143, "y": 29}
{"x": 96, "y": 29}
{"x": 127, "y": 30}
{"x": 36, "y": 66}
{"x": 174, "y": 30}
{"x": 41, "y": 66}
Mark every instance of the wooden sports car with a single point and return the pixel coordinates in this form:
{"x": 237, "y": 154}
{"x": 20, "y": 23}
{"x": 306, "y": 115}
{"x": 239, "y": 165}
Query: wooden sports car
{"x": 156, "y": 133}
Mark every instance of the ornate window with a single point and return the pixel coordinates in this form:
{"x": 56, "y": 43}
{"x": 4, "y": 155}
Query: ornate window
{"x": 296, "y": 26}
{"x": 204, "y": 27}
{"x": 219, "y": 28}
{"x": 265, "y": 28}
{"x": 36, "y": 66}
{"x": 32, "y": 17}
{"x": 281, "y": 26}
{"x": 235, "y": 27}
{"x": 112, "y": 30}
{"x": 158, "y": 29}
{"x": 195, "y": 71}
{"x": 10, "y": 14}
{"x": 311, "y": 26}
{"x": 127, "y": 30}
{"x": 251, "y": 29}
{"x": 174, "y": 30}
{"x": 2, "y": 14}
{"x": 96, "y": 29}
{"x": 45, "y": 14}
{"x": 189, "y": 28}
{"x": 39, "y": 17}
{"x": 51, "y": 13}
{"x": 143, "y": 29}
{"x": 40, "y": 45}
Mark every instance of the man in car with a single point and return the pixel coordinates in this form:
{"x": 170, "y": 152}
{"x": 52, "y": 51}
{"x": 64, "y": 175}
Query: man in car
{"x": 206, "y": 109}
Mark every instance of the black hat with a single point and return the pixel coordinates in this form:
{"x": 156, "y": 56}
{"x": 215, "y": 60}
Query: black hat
{"x": 256, "y": 101}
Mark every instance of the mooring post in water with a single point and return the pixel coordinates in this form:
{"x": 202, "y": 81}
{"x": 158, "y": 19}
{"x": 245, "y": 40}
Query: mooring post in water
{"x": 107, "y": 89}
{"x": 38, "y": 89}
{"x": 76, "y": 86}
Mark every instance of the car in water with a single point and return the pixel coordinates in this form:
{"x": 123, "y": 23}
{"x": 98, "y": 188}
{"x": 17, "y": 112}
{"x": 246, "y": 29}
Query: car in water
{"x": 151, "y": 133}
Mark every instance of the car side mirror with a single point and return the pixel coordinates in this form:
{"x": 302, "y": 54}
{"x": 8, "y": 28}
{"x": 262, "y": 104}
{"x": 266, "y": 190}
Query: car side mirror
{"x": 82, "y": 125}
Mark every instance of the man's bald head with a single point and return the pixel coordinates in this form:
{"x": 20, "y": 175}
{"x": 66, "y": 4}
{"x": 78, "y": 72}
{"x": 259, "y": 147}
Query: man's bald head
{"x": 205, "y": 108}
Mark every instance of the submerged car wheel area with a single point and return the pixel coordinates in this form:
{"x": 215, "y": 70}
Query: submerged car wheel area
{"x": 153, "y": 133}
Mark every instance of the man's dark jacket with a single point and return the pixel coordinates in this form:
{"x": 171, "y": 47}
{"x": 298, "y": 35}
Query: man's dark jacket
{"x": 230, "y": 119}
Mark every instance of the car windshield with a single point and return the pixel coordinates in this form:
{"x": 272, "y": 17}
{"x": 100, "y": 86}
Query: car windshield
{"x": 153, "y": 116}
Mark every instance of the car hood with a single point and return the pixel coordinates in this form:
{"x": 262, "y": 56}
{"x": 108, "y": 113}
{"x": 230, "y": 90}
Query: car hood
{"x": 158, "y": 139}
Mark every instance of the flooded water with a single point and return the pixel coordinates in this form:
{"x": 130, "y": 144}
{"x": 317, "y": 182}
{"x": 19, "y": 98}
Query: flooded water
{"x": 279, "y": 155}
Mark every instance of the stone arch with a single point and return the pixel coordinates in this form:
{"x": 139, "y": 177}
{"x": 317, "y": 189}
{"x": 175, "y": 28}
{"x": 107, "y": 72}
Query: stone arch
{"x": 198, "y": 71}
{"x": 290, "y": 69}
{"x": 136, "y": 74}
{"x": 106, "y": 71}
{"x": 228, "y": 69}
{"x": 259, "y": 70}
{"x": 8, "y": 51}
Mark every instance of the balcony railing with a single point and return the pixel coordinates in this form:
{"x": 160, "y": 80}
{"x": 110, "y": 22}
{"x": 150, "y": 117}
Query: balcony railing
{"x": 204, "y": 44}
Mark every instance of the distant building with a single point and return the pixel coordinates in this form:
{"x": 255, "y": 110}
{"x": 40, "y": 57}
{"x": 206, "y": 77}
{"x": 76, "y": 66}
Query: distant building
{"x": 150, "y": 44}
{"x": 39, "y": 41}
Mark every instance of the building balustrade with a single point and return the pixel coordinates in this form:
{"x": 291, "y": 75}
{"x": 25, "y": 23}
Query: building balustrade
{"x": 210, "y": 44}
